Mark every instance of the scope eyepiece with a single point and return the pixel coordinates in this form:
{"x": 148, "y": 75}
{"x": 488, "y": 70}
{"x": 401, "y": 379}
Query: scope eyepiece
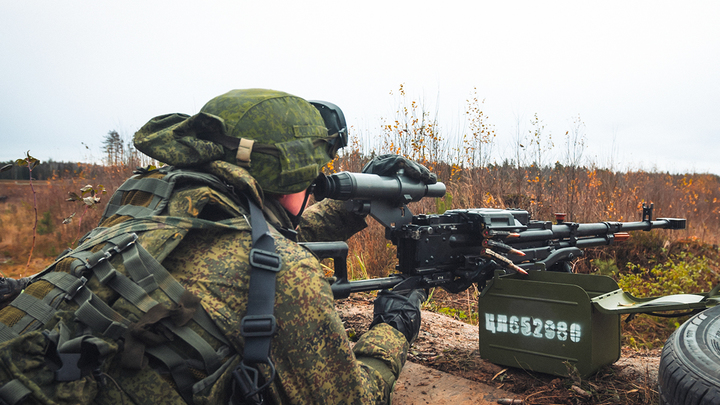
{"x": 337, "y": 186}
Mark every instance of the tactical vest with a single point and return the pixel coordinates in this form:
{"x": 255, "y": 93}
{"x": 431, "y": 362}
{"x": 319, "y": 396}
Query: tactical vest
{"x": 109, "y": 306}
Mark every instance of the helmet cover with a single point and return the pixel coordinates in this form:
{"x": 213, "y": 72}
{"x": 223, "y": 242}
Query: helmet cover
{"x": 291, "y": 140}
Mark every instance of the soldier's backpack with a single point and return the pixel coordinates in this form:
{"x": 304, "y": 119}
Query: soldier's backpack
{"x": 107, "y": 323}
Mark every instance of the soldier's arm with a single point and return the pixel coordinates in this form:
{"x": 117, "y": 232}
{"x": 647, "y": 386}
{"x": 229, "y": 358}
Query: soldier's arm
{"x": 328, "y": 220}
{"x": 313, "y": 355}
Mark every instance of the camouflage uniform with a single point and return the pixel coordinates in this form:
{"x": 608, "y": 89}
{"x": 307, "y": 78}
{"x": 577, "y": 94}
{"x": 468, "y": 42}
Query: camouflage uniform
{"x": 312, "y": 355}
{"x": 311, "y": 352}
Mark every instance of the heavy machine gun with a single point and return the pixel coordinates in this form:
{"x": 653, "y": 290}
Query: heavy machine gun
{"x": 462, "y": 247}
{"x": 534, "y": 312}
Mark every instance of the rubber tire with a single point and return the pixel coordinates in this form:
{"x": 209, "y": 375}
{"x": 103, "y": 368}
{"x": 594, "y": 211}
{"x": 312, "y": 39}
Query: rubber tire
{"x": 690, "y": 362}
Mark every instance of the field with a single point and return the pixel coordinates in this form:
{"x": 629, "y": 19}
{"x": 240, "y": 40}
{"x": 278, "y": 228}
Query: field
{"x": 585, "y": 194}
{"x": 60, "y": 223}
{"x": 651, "y": 263}
{"x": 39, "y": 220}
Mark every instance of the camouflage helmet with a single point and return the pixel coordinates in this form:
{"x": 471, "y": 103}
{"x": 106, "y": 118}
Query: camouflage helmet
{"x": 281, "y": 139}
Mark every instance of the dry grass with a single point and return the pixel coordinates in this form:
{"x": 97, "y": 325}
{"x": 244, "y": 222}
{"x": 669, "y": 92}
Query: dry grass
{"x": 17, "y": 218}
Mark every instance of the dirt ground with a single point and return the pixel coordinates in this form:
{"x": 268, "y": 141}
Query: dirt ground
{"x": 451, "y": 346}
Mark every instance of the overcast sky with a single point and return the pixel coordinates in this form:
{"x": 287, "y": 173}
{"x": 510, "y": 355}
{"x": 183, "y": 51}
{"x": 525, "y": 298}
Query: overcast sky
{"x": 644, "y": 76}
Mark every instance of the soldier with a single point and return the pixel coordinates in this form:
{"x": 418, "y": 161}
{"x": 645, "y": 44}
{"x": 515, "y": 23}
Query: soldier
{"x": 289, "y": 144}
{"x": 269, "y": 147}
{"x": 193, "y": 289}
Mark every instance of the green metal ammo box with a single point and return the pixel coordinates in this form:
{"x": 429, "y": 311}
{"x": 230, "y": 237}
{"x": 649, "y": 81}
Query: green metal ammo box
{"x": 545, "y": 322}
{"x": 554, "y": 322}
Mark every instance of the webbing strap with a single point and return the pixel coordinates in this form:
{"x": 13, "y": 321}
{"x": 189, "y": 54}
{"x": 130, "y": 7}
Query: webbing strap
{"x": 40, "y": 310}
{"x": 142, "y": 262}
{"x": 67, "y": 283}
{"x": 193, "y": 176}
{"x": 142, "y": 265}
{"x": 134, "y": 211}
{"x": 150, "y": 274}
{"x": 34, "y": 307}
{"x": 177, "y": 366}
{"x": 155, "y": 186}
{"x": 138, "y": 297}
{"x": 160, "y": 188}
{"x": 91, "y": 234}
{"x": 79, "y": 356}
{"x": 137, "y": 268}
{"x": 210, "y": 358}
{"x": 23, "y": 325}
{"x": 7, "y": 333}
{"x": 92, "y": 311}
{"x": 244, "y": 151}
{"x": 167, "y": 283}
{"x": 14, "y": 392}
{"x": 96, "y": 314}
{"x": 258, "y": 325}
{"x": 91, "y": 259}
{"x": 132, "y": 292}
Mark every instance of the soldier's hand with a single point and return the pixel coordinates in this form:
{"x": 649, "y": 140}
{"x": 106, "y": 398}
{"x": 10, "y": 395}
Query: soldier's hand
{"x": 388, "y": 165}
{"x": 11, "y": 288}
{"x": 401, "y": 311}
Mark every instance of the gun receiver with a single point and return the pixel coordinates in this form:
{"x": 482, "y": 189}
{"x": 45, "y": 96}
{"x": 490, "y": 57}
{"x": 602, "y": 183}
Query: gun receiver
{"x": 460, "y": 247}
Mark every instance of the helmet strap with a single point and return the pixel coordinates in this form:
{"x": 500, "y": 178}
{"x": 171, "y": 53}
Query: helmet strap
{"x": 295, "y": 219}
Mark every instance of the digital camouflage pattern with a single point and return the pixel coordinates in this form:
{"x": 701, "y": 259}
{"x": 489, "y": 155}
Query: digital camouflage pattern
{"x": 312, "y": 355}
{"x": 316, "y": 222}
{"x": 172, "y": 139}
{"x": 291, "y": 137}
{"x": 24, "y": 359}
{"x": 311, "y": 352}
{"x": 253, "y": 114}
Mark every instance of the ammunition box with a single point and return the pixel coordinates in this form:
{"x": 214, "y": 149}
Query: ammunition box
{"x": 545, "y": 322}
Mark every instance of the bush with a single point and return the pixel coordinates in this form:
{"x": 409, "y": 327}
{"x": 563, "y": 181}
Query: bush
{"x": 681, "y": 273}
{"x": 46, "y": 224}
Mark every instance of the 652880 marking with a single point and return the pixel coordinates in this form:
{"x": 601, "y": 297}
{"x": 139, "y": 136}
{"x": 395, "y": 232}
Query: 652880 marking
{"x": 533, "y": 327}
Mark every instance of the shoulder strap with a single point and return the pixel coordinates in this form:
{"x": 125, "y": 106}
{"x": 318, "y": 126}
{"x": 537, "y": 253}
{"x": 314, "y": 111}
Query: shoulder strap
{"x": 259, "y": 324}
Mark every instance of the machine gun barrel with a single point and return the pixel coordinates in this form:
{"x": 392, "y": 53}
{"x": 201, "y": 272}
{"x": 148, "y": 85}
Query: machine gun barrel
{"x": 578, "y": 231}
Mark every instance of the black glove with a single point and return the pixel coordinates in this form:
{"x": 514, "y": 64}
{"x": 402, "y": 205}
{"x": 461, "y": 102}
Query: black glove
{"x": 11, "y": 288}
{"x": 388, "y": 165}
{"x": 400, "y": 311}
